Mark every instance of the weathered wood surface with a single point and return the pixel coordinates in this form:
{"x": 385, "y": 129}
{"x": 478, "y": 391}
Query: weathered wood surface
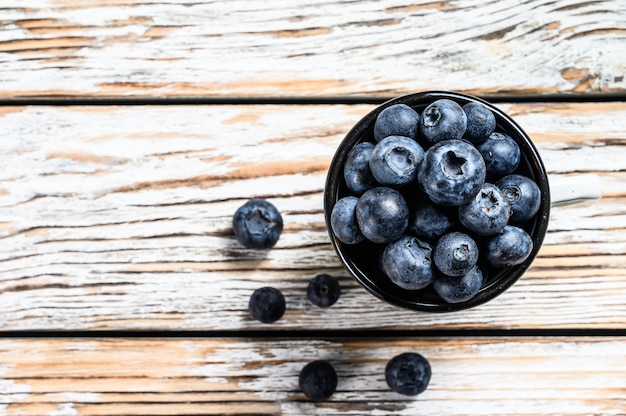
{"x": 120, "y": 218}
{"x": 494, "y": 376}
{"x": 171, "y": 48}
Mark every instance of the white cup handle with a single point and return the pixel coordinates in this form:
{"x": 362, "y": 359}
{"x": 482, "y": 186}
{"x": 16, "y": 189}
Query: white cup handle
{"x": 566, "y": 190}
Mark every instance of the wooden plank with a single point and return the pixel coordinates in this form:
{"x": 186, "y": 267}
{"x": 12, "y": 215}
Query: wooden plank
{"x": 122, "y": 48}
{"x": 120, "y": 218}
{"x": 470, "y": 376}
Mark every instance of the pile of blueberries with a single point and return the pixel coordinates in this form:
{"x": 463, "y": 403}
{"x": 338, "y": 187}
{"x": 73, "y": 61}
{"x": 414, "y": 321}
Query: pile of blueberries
{"x": 257, "y": 224}
{"x": 441, "y": 197}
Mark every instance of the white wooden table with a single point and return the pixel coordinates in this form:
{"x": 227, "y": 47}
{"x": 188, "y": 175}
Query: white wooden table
{"x": 131, "y": 131}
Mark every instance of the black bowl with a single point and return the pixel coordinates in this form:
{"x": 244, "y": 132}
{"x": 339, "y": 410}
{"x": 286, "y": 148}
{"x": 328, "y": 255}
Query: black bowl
{"x": 362, "y": 260}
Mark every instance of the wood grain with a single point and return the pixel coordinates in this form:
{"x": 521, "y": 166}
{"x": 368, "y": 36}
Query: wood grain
{"x": 120, "y": 218}
{"x": 470, "y": 376}
{"x": 122, "y": 48}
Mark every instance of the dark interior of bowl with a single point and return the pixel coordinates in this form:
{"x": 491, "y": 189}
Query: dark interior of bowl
{"x": 362, "y": 260}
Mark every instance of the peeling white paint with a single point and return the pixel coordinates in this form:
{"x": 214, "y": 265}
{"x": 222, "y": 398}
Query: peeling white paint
{"x": 11, "y": 391}
{"x": 63, "y": 409}
{"x": 216, "y": 48}
{"x": 160, "y": 254}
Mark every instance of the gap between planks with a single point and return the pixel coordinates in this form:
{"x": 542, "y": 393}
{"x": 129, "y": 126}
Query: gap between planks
{"x": 294, "y": 100}
{"x": 327, "y": 334}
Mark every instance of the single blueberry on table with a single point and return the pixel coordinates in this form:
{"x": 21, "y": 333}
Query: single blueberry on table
{"x": 267, "y": 304}
{"x": 257, "y": 224}
{"x": 343, "y": 221}
{"x": 382, "y": 214}
{"x": 523, "y": 194}
{"x": 356, "y": 171}
{"x": 480, "y": 122}
{"x": 395, "y": 159}
{"x": 407, "y": 263}
{"x": 452, "y": 172}
{"x": 443, "y": 119}
{"x": 455, "y": 254}
{"x": 318, "y": 380}
{"x": 429, "y": 221}
{"x": 396, "y": 120}
{"x": 459, "y": 289}
{"x": 408, "y": 373}
{"x": 501, "y": 154}
{"x": 487, "y": 213}
{"x": 509, "y": 248}
{"x": 323, "y": 290}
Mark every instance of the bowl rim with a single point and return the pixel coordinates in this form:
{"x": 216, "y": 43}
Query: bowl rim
{"x": 508, "y": 276}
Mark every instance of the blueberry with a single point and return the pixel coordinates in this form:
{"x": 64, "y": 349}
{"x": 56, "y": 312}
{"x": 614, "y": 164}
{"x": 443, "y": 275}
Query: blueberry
{"x": 356, "y": 171}
{"x": 343, "y": 221}
{"x": 501, "y": 154}
{"x": 523, "y": 194}
{"x": 395, "y": 159}
{"x": 455, "y": 254}
{"x": 443, "y": 119}
{"x": 396, "y": 120}
{"x": 257, "y": 224}
{"x": 323, "y": 290}
{"x": 408, "y": 373}
{"x": 459, "y": 289}
{"x": 267, "y": 304}
{"x": 429, "y": 221}
{"x": 382, "y": 214}
{"x": 487, "y": 213}
{"x": 508, "y": 248}
{"x": 480, "y": 122}
{"x": 318, "y": 380}
{"x": 407, "y": 262}
{"x": 452, "y": 172}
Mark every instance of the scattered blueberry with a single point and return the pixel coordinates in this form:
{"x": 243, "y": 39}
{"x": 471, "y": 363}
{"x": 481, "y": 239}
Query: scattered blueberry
{"x": 395, "y": 159}
{"x": 323, "y": 290}
{"x": 452, "y": 172}
{"x": 523, "y": 194}
{"x": 267, "y": 304}
{"x": 356, "y": 171}
{"x": 459, "y": 289}
{"x": 408, "y": 373}
{"x": 443, "y": 120}
{"x": 501, "y": 154}
{"x": 408, "y": 264}
{"x": 480, "y": 122}
{"x": 343, "y": 221}
{"x": 382, "y": 214}
{"x": 257, "y": 224}
{"x": 428, "y": 220}
{"x": 396, "y": 120}
{"x": 455, "y": 254}
{"x": 510, "y": 247}
{"x": 318, "y": 380}
{"x": 487, "y": 213}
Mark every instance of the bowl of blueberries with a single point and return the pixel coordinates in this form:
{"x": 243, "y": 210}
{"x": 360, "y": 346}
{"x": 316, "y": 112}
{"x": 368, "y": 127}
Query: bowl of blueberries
{"x": 436, "y": 201}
